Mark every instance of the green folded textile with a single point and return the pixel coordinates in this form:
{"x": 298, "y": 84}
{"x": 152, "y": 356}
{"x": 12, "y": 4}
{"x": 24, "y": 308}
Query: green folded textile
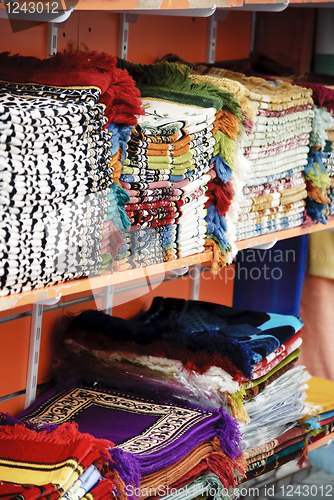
{"x": 186, "y": 159}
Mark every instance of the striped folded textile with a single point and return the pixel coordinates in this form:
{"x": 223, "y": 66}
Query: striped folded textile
{"x": 53, "y": 462}
{"x": 63, "y": 139}
{"x": 276, "y": 148}
{"x": 186, "y": 135}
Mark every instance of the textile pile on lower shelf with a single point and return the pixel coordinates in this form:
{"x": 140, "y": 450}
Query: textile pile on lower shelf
{"x": 169, "y": 406}
{"x": 295, "y": 443}
{"x": 64, "y": 124}
{"x": 321, "y": 402}
{"x": 159, "y": 445}
{"x": 210, "y": 355}
{"x": 183, "y": 144}
{"x": 277, "y": 149}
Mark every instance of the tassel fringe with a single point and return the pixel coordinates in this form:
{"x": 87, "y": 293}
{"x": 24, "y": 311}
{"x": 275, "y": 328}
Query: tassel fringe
{"x": 170, "y": 80}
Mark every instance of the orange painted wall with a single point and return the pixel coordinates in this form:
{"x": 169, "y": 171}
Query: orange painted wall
{"x": 217, "y": 289}
{"x": 31, "y": 42}
{"x": 150, "y": 38}
{"x": 87, "y": 31}
{"x": 233, "y": 36}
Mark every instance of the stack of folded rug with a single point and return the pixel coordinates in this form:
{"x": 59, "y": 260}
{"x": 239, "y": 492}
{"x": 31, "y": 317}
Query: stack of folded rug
{"x": 329, "y": 165}
{"x": 320, "y": 401}
{"x": 207, "y": 354}
{"x": 277, "y": 408}
{"x": 275, "y": 401}
{"x": 288, "y": 446}
{"x": 53, "y": 461}
{"x": 225, "y": 191}
{"x": 62, "y": 145}
{"x": 319, "y": 169}
{"x": 277, "y": 150}
{"x": 317, "y": 173}
{"x": 238, "y": 364}
{"x": 159, "y": 444}
{"x": 293, "y": 443}
{"x": 171, "y": 157}
{"x": 178, "y": 163}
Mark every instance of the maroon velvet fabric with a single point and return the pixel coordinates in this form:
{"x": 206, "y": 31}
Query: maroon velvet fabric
{"x": 118, "y": 91}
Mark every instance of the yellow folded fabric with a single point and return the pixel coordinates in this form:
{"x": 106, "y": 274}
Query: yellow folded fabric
{"x": 238, "y": 89}
{"x": 299, "y": 195}
{"x": 293, "y": 190}
{"x": 321, "y": 254}
{"x": 321, "y": 392}
{"x": 281, "y": 93}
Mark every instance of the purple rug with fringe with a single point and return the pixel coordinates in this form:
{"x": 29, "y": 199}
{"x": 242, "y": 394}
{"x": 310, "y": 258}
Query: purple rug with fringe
{"x": 155, "y": 435}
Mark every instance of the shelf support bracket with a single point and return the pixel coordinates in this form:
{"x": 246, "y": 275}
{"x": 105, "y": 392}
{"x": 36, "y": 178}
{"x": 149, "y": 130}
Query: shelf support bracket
{"x": 34, "y": 348}
{"x": 108, "y": 298}
{"x": 195, "y": 276}
{"x": 262, "y": 246}
{"x": 211, "y": 39}
{"x": 123, "y": 36}
{"x": 51, "y": 39}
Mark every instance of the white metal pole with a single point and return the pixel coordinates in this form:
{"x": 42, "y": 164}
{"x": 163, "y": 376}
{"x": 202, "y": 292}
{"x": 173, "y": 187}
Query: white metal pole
{"x": 34, "y": 348}
{"x": 52, "y": 40}
{"x": 195, "y": 276}
{"x": 108, "y": 298}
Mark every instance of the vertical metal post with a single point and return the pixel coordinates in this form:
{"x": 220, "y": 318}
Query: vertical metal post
{"x": 123, "y": 35}
{"x": 253, "y": 32}
{"x": 108, "y": 298}
{"x": 34, "y": 348}
{"x": 51, "y": 40}
{"x": 211, "y": 40}
{"x": 35, "y": 340}
{"x": 195, "y": 276}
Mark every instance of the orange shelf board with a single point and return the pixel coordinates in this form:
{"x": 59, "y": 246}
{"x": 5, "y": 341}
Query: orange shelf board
{"x": 86, "y": 284}
{"x": 164, "y": 5}
{"x": 154, "y": 5}
{"x": 126, "y": 5}
{"x": 253, "y": 2}
{"x": 321, "y": 442}
{"x": 283, "y": 235}
{"x": 309, "y": 2}
{"x": 143, "y": 273}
